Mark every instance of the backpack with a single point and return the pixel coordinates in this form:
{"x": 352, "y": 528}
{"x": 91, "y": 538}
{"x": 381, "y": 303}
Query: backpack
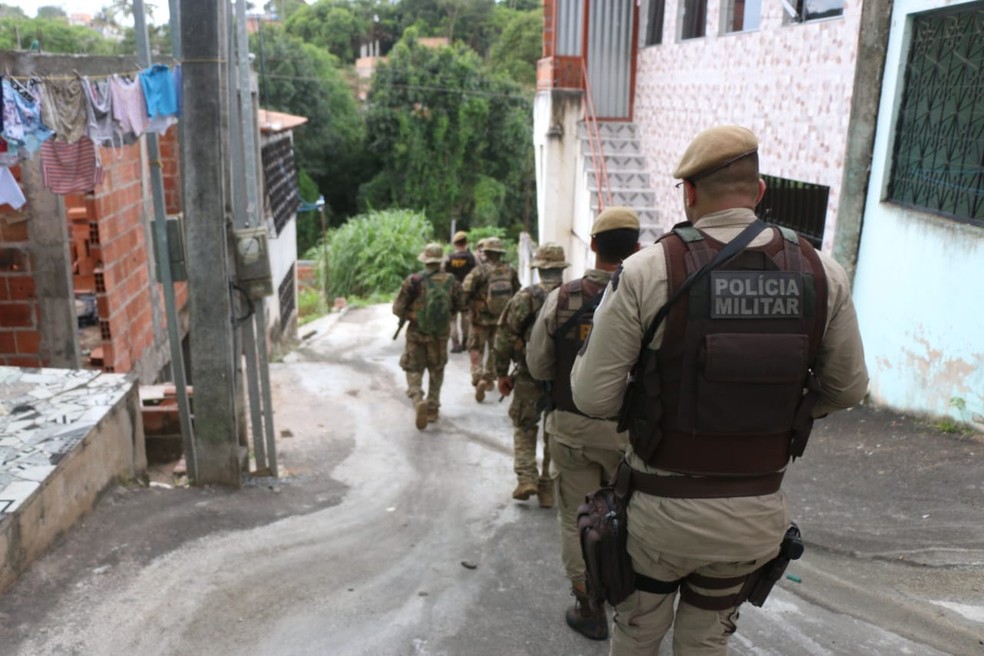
{"x": 498, "y": 290}
{"x": 434, "y": 314}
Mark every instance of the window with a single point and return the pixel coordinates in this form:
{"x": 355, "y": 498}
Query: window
{"x": 654, "y": 22}
{"x": 742, "y": 15}
{"x": 798, "y": 11}
{"x": 693, "y": 22}
{"x": 938, "y": 161}
{"x": 286, "y": 293}
{"x": 801, "y": 206}
{"x": 280, "y": 180}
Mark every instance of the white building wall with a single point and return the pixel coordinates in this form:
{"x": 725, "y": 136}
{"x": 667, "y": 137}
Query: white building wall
{"x": 790, "y": 84}
{"x": 917, "y": 286}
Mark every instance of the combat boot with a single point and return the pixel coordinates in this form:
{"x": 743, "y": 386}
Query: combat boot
{"x": 480, "y": 391}
{"x": 524, "y": 491}
{"x": 587, "y": 617}
{"x": 545, "y": 493}
{"x": 421, "y": 415}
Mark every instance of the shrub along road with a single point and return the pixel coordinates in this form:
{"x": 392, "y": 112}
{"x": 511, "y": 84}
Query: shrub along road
{"x": 381, "y": 539}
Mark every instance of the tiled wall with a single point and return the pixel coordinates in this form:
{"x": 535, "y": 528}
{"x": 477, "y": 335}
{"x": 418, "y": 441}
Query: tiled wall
{"x": 790, "y": 84}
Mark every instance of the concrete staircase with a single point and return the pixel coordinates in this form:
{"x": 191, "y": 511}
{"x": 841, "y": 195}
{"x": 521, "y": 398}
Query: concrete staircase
{"x": 627, "y": 175}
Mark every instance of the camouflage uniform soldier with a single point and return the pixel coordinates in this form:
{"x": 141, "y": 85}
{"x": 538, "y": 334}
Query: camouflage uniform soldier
{"x": 427, "y": 300}
{"x": 511, "y": 338}
{"x": 487, "y": 290}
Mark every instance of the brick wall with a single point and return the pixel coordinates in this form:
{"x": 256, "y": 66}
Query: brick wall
{"x": 20, "y": 340}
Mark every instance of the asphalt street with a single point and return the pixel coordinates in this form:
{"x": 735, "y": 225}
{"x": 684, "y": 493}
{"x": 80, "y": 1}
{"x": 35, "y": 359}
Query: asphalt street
{"x": 382, "y": 539}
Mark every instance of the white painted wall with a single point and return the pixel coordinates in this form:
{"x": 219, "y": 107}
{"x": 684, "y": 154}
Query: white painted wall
{"x": 918, "y": 281}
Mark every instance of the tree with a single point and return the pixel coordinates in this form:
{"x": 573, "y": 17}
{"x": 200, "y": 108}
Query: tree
{"x": 519, "y": 45}
{"x": 458, "y": 20}
{"x": 332, "y": 25}
{"x": 53, "y": 35}
{"x": 452, "y": 140}
{"x": 302, "y": 79}
{"x": 51, "y": 11}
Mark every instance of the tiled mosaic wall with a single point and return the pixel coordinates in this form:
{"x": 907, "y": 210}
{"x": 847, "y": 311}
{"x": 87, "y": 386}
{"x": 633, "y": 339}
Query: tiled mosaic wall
{"x": 790, "y": 84}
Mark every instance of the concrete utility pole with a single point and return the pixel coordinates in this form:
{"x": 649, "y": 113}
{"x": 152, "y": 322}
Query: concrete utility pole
{"x": 204, "y": 153}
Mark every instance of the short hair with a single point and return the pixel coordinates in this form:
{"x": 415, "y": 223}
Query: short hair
{"x": 739, "y": 177}
{"x": 616, "y": 245}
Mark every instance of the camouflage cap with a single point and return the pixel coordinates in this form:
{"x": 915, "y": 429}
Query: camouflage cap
{"x": 432, "y": 253}
{"x": 714, "y": 149}
{"x": 459, "y": 236}
{"x": 614, "y": 218}
{"x": 549, "y": 256}
{"x": 481, "y": 244}
{"x": 494, "y": 244}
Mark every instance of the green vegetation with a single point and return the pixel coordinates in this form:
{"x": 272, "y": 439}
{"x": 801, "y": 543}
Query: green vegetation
{"x": 452, "y": 140}
{"x": 52, "y": 35}
{"x": 371, "y": 254}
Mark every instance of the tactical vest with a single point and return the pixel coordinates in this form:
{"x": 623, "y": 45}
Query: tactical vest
{"x": 574, "y": 296}
{"x": 726, "y": 388}
{"x": 459, "y": 264}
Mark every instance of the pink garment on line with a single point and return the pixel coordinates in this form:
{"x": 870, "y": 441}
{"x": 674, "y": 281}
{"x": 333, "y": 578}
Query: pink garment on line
{"x": 129, "y": 105}
{"x": 71, "y": 168}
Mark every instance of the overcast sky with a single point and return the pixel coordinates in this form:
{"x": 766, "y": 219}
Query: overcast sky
{"x": 30, "y": 7}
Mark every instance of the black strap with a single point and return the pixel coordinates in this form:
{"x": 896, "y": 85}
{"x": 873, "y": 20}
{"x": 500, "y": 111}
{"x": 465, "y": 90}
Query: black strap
{"x": 590, "y": 306}
{"x": 730, "y": 249}
{"x": 655, "y": 586}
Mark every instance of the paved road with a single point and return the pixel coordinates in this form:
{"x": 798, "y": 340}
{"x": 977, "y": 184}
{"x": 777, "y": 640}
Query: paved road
{"x": 359, "y": 549}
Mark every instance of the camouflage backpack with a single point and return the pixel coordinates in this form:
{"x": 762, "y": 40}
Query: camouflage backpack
{"x": 434, "y": 314}
{"x": 498, "y": 289}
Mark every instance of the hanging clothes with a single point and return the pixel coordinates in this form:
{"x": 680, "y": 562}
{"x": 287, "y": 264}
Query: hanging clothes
{"x": 159, "y": 90}
{"x": 63, "y": 108}
{"x": 23, "y": 128}
{"x": 129, "y": 106}
{"x": 7, "y": 158}
{"x": 100, "y": 126}
{"x": 71, "y": 168}
{"x": 10, "y": 191}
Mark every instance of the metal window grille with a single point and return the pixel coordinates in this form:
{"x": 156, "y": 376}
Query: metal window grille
{"x": 801, "y": 206}
{"x": 288, "y": 297}
{"x": 939, "y": 139}
{"x": 280, "y": 179}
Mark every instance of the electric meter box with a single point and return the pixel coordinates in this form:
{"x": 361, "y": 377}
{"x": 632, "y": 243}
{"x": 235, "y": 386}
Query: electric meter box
{"x": 253, "y": 262}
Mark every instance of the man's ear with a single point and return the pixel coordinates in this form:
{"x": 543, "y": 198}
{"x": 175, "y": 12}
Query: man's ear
{"x": 761, "y": 193}
{"x": 690, "y": 189}
{"x": 594, "y": 246}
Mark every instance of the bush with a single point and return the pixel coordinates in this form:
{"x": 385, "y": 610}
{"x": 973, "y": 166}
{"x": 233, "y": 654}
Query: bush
{"x": 372, "y": 253}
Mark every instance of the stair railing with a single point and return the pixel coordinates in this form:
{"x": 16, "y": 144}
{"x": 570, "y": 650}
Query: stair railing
{"x": 594, "y": 141}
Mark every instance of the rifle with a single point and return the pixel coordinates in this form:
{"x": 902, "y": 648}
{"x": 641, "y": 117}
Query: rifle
{"x": 403, "y": 322}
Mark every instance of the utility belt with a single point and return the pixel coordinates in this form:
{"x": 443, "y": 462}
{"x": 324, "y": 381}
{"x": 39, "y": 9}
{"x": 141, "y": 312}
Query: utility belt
{"x": 603, "y": 528}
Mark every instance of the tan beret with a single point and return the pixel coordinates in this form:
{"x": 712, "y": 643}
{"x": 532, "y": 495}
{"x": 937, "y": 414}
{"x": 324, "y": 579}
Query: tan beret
{"x": 459, "y": 236}
{"x": 614, "y": 218}
{"x": 714, "y": 149}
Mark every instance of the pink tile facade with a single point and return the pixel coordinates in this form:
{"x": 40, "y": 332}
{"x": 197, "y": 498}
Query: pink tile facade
{"x": 791, "y": 84}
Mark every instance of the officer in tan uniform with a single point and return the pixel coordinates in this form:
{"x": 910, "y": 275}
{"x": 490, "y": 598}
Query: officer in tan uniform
{"x": 427, "y": 300}
{"x": 720, "y": 407}
{"x": 584, "y": 451}
{"x": 511, "y": 338}
{"x": 487, "y": 290}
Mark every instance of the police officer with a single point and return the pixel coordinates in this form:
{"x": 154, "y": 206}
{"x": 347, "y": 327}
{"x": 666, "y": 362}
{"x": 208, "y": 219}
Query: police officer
{"x": 511, "y": 338}
{"x": 427, "y": 300}
{"x": 728, "y": 385}
{"x": 487, "y": 290}
{"x": 459, "y": 264}
{"x": 584, "y": 451}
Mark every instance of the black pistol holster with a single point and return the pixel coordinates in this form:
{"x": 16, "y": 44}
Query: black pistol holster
{"x": 766, "y": 577}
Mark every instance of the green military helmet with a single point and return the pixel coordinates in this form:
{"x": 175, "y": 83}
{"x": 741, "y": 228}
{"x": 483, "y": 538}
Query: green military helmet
{"x": 494, "y": 245}
{"x": 550, "y": 256}
{"x": 432, "y": 254}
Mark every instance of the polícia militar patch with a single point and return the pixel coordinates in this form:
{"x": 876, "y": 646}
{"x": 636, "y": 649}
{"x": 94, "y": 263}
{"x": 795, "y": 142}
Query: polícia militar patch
{"x": 756, "y": 295}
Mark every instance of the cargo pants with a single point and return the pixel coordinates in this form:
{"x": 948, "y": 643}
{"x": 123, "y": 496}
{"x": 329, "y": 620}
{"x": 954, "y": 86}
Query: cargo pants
{"x": 526, "y": 424}
{"x": 430, "y": 354}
